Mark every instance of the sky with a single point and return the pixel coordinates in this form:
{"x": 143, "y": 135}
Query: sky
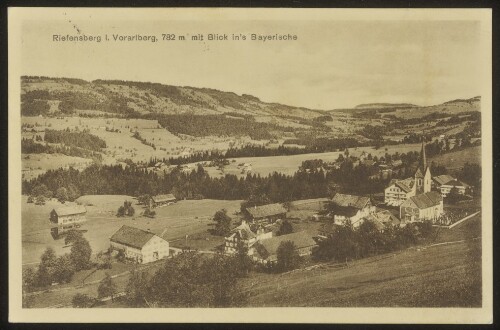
{"x": 332, "y": 64}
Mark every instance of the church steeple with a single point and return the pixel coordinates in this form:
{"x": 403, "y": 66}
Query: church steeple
{"x": 423, "y": 159}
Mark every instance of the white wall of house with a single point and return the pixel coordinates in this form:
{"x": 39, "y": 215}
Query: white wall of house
{"x": 395, "y": 195}
{"x": 156, "y": 248}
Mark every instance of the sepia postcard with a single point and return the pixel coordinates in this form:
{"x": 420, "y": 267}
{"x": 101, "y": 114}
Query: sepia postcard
{"x": 250, "y": 165}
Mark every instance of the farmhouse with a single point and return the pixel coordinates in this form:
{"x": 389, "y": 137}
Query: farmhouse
{"x": 266, "y": 213}
{"x": 68, "y": 215}
{"x": 350, "y": 207}
{"x": 327, "y": 230}
{"x": 139, "y": 245}
{"x": 426, "y": 206}
{"x": 444, "y": 184}
{"x": 244, "y": 235}
{"x": 161, "y": 200}
{"x": 67, "y": 218}
{"x": 381, "y": 219}
{"x": 266, "y": 250}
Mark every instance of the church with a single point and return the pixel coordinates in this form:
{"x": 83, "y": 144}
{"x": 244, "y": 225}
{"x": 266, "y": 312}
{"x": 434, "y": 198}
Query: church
{"x": 399, "y": 191}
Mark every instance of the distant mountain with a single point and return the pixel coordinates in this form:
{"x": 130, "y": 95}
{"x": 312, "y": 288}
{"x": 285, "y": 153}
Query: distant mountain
{"x": 412, "y": 110}
{"x": 385, "y": 106}
{"x": 127, "y": 97}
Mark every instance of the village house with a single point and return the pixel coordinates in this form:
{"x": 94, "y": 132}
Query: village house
{"x": 381, "y": 219}
{"x": 426, "y": 206}
{"x": 399, "y": 191}
{"x": 350, "y": 207}
{"x": 139, "y": 245}
{"x": 444, "y": 184}
{"x": 244, "y": 235}
{"x": 266, "y": 213}
{"x": 265, "y": 251}
{"x": 161, "y": 200}
{"x": 68, "y": 215}
{"x": 327, "y": 230}
{"x": 67, "y": 218}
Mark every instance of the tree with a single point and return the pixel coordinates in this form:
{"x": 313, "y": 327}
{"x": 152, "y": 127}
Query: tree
{"x": 285, "y": 228}
{"x": 29, "y": 279}
{"x": 80, "y": 254}
{"x": 73, "y": 192}
{"x": 40, "y": 200}
{"x": 138, "y": 289}
{"x": 222, "y": 278}
{"x": 62, "y": 194}
{"x": 223, "y": 223}
{"x": 82, "y": 301}
{"x": 46, "y": 268}
{"x": 121, "y": 211}
{"x": 288, "y": 257}
{"x": 103, "y": 260}
{"x": 41, "y": 190}
{"x": 243, "y": 263}
{"x": 72, "y": 236}
{"x": 107, "y": 288}
{"x": 63, "y": 270}
{"x": 453, "y": 196}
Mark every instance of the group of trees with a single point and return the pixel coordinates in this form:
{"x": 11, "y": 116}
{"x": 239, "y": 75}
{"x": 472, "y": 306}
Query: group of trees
{"x": 218, "y": 125}
{"x": 103, "y": 179}
{"x": 348, "y": 243}
{"x": 189, "y": 279}
{"x": 222, "y": 223}
{"x": 40, "y": 192}
{"x": 28, "y": 146}
{"x": 53, "y": 269}
{"x": 126, "y": 210}
{"x": 82, "y": 139}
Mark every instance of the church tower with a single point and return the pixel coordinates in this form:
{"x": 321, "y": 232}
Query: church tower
{"x": 423, "y": 176}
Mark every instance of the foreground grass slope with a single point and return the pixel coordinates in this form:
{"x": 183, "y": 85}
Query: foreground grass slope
{"x": 436, "y": 276}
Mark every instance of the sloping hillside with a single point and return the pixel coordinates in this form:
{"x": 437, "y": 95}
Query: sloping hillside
{"x": 50, "y": 95}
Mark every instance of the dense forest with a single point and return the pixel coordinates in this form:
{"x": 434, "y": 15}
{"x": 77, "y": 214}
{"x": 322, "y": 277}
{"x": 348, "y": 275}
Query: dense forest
{"x": 28, "y": 146}
{"x": 219, "y": 125}
{"x": 75, "y": 139}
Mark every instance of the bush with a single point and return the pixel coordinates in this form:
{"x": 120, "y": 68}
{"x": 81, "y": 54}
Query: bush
{"x": 82, "y": 301}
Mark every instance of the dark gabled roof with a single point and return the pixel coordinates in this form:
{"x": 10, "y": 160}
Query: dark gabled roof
{"x": 163, "y": 198}
{"x": 443, "y": 179}
{"x": 266, "y": 210}
{"x": 70, "y": 210}
{"x": 344, "y": 200}
{"x": 301, "y": 240}
{"x": 243, "y": 231}
{"x": 385, "y": 217}
{"x": 132, "y": 236}
{"x": 406, "y": 185}
{"x": 346, "y": 211}
{"x": 425, "y": 200}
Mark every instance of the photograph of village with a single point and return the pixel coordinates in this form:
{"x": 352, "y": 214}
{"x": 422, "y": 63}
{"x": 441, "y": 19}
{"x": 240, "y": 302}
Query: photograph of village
{"x": 153, "y": 193}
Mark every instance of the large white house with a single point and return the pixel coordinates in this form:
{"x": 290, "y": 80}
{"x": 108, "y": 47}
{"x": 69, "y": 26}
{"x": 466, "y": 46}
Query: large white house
{"x": 139, "y": 245}
{"x": 350, "y": 207}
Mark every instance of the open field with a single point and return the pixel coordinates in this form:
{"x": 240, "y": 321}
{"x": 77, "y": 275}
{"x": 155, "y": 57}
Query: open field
{"x": 35, "y": 164}
{"x": 429, "y": 277}
{"x": 456, "y": 160}
{"x": 290, "y": 164}
{"x": 174, "y": 222}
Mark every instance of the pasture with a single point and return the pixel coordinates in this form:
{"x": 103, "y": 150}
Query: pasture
{"x": 420, "y": 277}
{"x": 189, "y": 217}
{"x": 456, "y": 160}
